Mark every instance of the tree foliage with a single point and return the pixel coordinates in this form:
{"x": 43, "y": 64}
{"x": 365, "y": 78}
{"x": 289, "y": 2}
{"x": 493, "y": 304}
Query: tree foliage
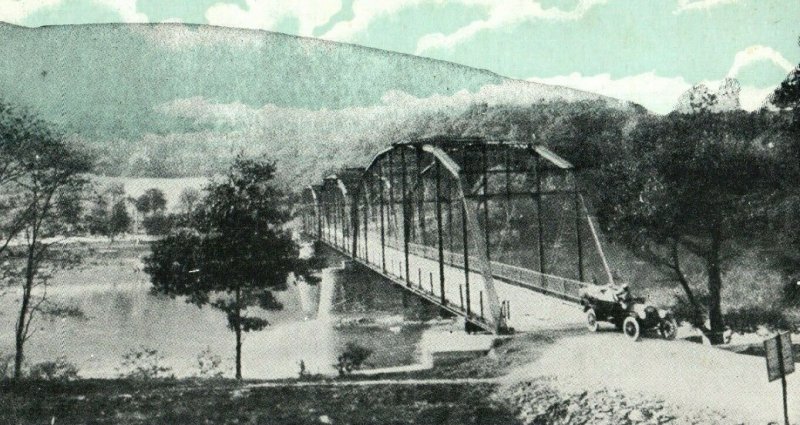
{"x": 41, "y": 176}
{"x": 238, "y": 253}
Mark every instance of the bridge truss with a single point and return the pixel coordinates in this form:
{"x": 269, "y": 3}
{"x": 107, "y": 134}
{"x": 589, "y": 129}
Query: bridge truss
{"x": 450, "y": 219}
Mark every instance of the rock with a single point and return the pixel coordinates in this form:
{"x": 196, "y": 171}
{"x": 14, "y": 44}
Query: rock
{"x": 325, "y": 419}
{"x": 636, "y": 415}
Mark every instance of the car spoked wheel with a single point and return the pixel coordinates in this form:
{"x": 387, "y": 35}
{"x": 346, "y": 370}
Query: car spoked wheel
{"x": 591, "y": 321}
{"x": 631, "y": 328}
{"x": 668, "y": 328}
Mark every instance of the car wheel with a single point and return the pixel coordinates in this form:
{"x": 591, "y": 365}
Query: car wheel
{"x": 631, "y": 328}
{"x": 668, "y": 328}
{"x": 591, "y": 321}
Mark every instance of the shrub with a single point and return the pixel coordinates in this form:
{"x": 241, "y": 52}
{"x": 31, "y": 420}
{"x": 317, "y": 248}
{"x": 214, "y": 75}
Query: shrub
{"x": 748, "y": 319}
{"x": 144, "y": 363}
{"x": 209, "y": 364}
{"x": 791, "y": 291}
{"x": 684, "y": 311}
{"x": 58, "y": 370}
{"x": 352, "y": 358}
{"x": 157, "y": 223}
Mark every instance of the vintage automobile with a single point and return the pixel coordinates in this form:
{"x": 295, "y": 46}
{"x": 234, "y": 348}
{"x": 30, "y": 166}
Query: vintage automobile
{"x": 614, "y": 304}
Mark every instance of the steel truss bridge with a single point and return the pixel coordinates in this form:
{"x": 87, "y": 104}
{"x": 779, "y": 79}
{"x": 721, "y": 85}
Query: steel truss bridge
{"x": 482, "y": 228}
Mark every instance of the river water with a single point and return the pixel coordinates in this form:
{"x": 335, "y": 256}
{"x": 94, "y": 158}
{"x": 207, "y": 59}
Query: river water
{"x": 314, "y": 326}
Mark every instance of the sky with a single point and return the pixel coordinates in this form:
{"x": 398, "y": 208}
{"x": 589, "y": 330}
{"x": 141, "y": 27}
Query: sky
{"x": 645, "y": 51}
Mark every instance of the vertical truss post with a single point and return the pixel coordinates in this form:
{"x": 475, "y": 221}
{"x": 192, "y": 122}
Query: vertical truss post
{"x": 466, "y": 254}
{"x": 540, "y": 223}
{"x": 392, "y": 206}
{"x": 420, "y": 197}
{"x": 485, "y": 155}
{"x": 367, "y": 203}
{"x": 464, "y": 229}
{"x": 406, "y": 207}
{"x": 383, "y": 230}
{"x": 439, "y": 228}
{"x": 577, "y": 196}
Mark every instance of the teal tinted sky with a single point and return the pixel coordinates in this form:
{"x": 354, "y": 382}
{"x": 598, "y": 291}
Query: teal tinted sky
{"x": 645, "y": 51}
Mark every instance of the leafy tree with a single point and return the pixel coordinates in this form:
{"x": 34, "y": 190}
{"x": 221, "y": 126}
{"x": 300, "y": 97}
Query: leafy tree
{"x": 158, "y": 223}
{"x": 238, "y": 253}
{"x": 785, "y": 206}
{"x": 44, "y": 176}
{"x": 151, "y": 201}
{"x": 120, "y": 220}
{"x": 188, "y": 199}
{"x": 689, "y": 186}
{"x": 98, "y": 218}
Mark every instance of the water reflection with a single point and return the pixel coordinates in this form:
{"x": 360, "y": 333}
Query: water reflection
{"x": 317, "y": 321}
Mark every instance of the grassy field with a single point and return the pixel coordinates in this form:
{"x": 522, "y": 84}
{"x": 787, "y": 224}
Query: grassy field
{"x": 227, "y": 402}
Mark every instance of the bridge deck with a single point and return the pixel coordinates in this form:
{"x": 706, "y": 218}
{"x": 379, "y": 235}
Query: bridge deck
{"x": 528, "y": 303}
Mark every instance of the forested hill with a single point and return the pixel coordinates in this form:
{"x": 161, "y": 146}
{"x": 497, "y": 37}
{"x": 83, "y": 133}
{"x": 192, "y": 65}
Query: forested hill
{"x": 176, "y": 100}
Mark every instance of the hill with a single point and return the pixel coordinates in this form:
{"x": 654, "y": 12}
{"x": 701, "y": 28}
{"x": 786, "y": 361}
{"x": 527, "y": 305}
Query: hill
{"x": 166, "y": 100}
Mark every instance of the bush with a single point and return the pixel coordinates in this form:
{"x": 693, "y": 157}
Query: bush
{"x": 352, "y": 358}
{"x": 157, "y": 224}
{"x": 684, "y": 311}
{"x": 6, "y": 370}
{"x": 209, "y": 364}
{"x": 791, "y": 291}
{"x": 58, "y": 370}
{"x": 144, "y": 363}
{"x": 748, "y": 319}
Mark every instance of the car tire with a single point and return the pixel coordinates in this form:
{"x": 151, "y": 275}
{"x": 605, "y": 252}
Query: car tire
{"x": 631, "y": 328}
{"x": 591, "y": 321}
{"x": 668, "y": 328}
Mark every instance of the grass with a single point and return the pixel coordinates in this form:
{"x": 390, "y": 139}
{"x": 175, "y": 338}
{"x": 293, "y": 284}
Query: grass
{"x": 227, "y": 402}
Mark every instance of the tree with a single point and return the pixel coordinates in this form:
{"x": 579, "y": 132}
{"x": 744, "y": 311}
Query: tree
{"x": 158, "y": 223}
{"x": 151, "y": 201}
{"x": 120, "y": 220}
{"x": 98, "y": 218}
{"x": 689, "y": 185}
{"x": 237, "y": 254}
{"x": 48, "y": 175}
{"x": 188, "y": 199}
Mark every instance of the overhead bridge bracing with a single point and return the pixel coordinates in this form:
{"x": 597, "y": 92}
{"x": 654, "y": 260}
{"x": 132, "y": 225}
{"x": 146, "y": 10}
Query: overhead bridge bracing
{"x": 470, "y": 224}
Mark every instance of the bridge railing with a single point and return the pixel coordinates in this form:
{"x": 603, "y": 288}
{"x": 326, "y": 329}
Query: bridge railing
{"x": 561, "y": 287}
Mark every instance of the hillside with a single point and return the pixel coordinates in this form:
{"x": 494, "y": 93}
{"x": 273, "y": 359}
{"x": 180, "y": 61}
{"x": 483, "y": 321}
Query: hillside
{"x": 167, "y": 100}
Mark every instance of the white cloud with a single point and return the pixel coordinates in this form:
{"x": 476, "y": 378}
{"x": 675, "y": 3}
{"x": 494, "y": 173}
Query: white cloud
{"x": 652, "y": 91}
{"x": 126, "y": 9}
{"x": 689, "y": 5}
{"x": 503, "y": 14}
{"x": 656, "y": 93}
{"x": 365, "y": 12}
{"x": 659, "y": 94}
{"x": 268, "y": 14}
{"x": 15, "y": 11}
{"x": 755, "y": 54}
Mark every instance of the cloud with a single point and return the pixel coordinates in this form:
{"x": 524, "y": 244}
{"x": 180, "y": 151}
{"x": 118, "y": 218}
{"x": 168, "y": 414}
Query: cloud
{"x": 268, "y": 14}
{"x": 755, "y": 54}
{"x": 15, "y": 11}
{"x": 126, "y": 9}
{"x": 365, "y": 12}
{"x": 503, "y": 14}
{"x": 652, "y": 91}
{"x": 656, "y": 93}
{"x": 690, "y": 5}
{"x": 660, "y": 94}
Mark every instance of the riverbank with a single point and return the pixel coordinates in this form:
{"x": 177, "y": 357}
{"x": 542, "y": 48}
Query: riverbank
{"x": 515, "y": 384}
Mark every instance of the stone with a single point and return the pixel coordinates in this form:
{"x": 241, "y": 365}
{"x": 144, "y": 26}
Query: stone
{"x": 325, "y": 419}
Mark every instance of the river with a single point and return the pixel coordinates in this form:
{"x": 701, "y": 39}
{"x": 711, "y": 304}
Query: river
{"x": 313, "y": 327}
